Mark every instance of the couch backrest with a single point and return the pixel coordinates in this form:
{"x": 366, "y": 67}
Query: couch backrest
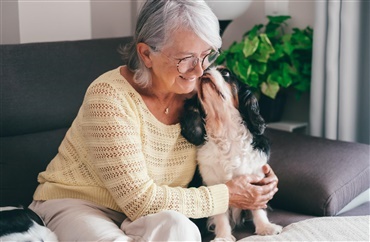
{"x": 42, "y": 88}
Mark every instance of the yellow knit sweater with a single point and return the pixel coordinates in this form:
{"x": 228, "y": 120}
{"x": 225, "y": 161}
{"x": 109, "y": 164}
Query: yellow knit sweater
{"x": 118, "y": 155}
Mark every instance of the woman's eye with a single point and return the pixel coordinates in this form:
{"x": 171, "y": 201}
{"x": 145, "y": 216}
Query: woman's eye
{"x": 186, "y": 59}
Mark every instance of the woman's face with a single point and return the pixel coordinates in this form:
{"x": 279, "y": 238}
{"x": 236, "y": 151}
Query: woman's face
{"x": 164, "y": 69}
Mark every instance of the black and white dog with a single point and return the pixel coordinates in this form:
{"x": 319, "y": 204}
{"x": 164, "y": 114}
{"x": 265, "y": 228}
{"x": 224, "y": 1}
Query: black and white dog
{"x": 223, "y": 120}
{"x": 23, "y": 224}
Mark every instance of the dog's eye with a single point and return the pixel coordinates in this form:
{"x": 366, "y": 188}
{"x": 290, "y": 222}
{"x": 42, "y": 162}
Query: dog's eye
{"x": 225, "y": 73}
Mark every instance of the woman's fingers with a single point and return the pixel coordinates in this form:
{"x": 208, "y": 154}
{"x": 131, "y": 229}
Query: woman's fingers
{"x": 244, "y": 195}
{"x": 270, "y": 176}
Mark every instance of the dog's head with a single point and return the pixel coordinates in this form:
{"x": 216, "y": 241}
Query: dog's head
{"x": 219, "y": 95}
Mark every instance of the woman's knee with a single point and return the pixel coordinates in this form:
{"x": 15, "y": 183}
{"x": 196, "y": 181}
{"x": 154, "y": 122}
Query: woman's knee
{"x": 175, "y": 219}
{"x": 181, "y": 225}
{"x": 164, "y": 226}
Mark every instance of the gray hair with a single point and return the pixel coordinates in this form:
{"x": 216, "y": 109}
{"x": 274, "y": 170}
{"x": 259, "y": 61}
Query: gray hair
{"x": 158, "y": 19}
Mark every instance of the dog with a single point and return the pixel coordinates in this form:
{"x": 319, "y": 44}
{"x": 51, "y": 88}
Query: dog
{"x": 23, "y": 224}
{"x": 223, "y": 120}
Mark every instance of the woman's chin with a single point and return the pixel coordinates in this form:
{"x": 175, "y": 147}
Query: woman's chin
{"x": 187, "y": 85}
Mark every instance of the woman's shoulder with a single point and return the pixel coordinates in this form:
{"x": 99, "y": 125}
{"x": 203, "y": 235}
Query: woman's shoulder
{"x": 112, "y": 83}
{"x": 112, "y": 91}
{"x": 111, "y": 78}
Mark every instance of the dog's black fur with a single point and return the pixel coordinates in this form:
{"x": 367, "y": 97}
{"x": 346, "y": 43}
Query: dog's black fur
{"x": 17, "y": 221}
{"x": 23, "y": 224}
{"x": 192, "y": 120}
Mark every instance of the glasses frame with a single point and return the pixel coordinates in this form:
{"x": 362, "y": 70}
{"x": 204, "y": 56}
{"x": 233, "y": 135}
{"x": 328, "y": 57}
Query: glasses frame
{"x": 217, "y": 53}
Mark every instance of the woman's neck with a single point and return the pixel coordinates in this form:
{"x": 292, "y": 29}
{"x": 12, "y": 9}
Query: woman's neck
{"x": 165, "y": 106}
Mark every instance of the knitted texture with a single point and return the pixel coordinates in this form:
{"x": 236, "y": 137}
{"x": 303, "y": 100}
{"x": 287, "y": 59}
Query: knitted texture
{"x": 118, "y": 155}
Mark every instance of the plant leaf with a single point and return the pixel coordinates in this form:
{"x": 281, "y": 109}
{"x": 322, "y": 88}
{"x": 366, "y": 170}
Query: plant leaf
{"x": 250, "y": 46}
{"x": 222, "y": 57}
{"x": 286, "y": 79}
{"x": 303, "y": 84}
{"x": 253, "y": 32}
{"x": 279, "y": 53}
{"x": 268, "y": 59}
{"x": 236, "y": 47}
{"x": 275, "y": 76}
{"x": 264, "y": 49}
{"x": 301, "y": 39}
{"x": 241, "y": 71}
{"x": 270, "y": 88}
{"x": 287, "y": 44}
{"x": 278, "y": 19}
{"x": 259, "y": 67}
{"x": 266, "y": 44}
{"x": 253, "y": 79}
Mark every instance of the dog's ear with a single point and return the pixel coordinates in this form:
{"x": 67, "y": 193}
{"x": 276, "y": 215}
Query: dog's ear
{"x": 192, "y": 122}
{"x": 249, "y": 110}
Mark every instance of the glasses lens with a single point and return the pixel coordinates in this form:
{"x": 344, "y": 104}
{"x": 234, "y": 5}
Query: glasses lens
{"x": 188, "y": 64}
{"x": 210, "y": 59}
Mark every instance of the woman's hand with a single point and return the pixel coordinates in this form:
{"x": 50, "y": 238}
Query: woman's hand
{"x": 251, "y": 191}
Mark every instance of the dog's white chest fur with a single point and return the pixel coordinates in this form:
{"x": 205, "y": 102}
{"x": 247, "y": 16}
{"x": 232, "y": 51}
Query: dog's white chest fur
{"x": 223, "y": 158}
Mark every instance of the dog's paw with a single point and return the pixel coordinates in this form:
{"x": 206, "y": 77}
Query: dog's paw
{"x": 269, "y": 229}
{"x": 228, "y": 239}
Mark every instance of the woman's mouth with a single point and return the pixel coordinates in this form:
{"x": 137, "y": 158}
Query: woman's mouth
{"x": 188, "y": 79}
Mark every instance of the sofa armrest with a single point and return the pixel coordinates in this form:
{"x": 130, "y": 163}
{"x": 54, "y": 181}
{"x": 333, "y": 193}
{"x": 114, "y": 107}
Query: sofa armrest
{"x": 317, "y": 176}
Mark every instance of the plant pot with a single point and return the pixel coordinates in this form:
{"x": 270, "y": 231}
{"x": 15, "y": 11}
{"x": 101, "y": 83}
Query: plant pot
{"x": 272, "y": 109}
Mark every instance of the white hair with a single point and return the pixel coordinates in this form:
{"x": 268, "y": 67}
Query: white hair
{"x": 157, "y": 21}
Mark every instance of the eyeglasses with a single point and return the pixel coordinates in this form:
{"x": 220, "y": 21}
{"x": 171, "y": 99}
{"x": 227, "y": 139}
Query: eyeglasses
{"x": 187, "y": 64}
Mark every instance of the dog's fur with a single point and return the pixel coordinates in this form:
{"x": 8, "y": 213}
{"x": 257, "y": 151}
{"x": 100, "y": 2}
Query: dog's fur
{"x": 23, "y": 224}
{"x": 223, "y": 120}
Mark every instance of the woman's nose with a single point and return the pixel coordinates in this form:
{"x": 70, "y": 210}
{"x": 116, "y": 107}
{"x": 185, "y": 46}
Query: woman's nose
{"x": 198, "y": 69}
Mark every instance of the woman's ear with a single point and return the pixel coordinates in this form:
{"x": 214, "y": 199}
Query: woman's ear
{"x": 144, "y": 52}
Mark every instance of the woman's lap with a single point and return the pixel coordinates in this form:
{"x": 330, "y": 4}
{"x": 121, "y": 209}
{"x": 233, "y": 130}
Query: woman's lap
{"x": 80, "y": 220}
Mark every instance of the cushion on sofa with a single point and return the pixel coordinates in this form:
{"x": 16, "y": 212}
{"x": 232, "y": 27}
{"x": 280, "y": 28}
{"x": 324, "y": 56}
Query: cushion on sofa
{"x": 317, "y": 176}
{"x": 43, "y": 84}
{"x": 22, "y": 158}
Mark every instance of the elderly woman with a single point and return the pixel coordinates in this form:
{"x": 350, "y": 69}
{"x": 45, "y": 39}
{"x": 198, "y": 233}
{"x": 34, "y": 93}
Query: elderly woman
{"x": 123, "y": 168}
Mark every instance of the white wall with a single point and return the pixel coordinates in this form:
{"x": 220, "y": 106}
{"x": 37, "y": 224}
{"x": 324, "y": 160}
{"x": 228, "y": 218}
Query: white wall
{"x": 9, "y": 22}
{"x": 25, "y": 21}
{"x": 54, "y": 20}
{"x": 113, "y": 18}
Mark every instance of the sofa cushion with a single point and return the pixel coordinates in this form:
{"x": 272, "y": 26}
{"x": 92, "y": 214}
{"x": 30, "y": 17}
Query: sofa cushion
{"x": 43, "y": 84}
{"x": 22, "y": 158}
{"x": 317, "y": 176}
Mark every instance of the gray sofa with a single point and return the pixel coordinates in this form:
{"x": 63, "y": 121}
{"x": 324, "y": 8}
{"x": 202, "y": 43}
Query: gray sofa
{"x": 42, "y": 87}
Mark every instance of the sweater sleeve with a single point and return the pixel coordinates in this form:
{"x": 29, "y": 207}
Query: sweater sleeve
{"x": 112, "y": 133}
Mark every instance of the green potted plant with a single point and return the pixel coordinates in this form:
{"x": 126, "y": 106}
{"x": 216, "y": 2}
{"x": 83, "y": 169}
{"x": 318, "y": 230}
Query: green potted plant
{"x": 270, "y": 59}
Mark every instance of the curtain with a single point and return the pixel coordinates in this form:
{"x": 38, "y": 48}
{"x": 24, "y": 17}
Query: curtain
{"x": 339, "y": 102}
